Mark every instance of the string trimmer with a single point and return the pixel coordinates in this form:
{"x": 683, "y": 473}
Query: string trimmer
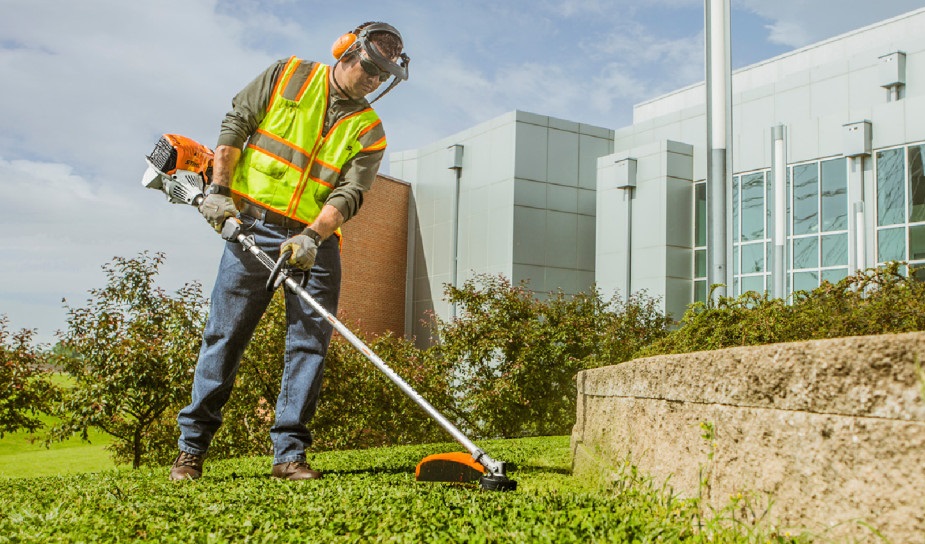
{"x": 181, "y": 168}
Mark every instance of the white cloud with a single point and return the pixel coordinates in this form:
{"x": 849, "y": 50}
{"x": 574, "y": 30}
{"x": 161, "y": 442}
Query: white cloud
{"x": 59, "y": 228}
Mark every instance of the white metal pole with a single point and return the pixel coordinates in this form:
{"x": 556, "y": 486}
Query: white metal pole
{"x": 717, "y": 83}
{"x": 780, "y": 211}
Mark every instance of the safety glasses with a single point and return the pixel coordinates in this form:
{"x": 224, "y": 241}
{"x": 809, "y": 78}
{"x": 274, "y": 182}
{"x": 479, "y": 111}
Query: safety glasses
{"x": 374, "y": 70}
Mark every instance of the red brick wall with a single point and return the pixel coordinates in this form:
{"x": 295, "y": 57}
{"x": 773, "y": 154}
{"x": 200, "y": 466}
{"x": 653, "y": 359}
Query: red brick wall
{"x": 373, "y": 257}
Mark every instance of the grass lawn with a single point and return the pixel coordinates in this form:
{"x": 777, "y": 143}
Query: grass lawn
{"x": 24, "y": 455}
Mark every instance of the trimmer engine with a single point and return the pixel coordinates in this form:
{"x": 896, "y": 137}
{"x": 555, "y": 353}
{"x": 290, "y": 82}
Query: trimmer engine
{"x": 179, "y": 167}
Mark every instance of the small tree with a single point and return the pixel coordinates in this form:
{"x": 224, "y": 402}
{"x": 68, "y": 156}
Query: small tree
{"x": 25, "y": 387}
{"x": 131, "y": 352}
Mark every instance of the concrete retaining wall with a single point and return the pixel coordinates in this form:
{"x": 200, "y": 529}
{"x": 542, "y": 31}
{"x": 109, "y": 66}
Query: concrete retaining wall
{"x": 832, "y": 432}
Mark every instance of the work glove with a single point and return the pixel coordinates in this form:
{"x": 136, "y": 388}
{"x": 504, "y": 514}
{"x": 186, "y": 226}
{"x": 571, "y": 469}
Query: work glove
{"x": 216, "y": 208}
{"x": 304, "y": 247}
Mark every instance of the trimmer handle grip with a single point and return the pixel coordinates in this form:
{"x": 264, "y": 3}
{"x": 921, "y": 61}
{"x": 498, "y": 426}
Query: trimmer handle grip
{"x": 281, "y": 272}
{"x": 231, "y": 229}
{"x": 276, "y": 278}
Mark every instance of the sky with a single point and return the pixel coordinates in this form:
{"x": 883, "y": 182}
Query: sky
{"x": 88, "y": 87}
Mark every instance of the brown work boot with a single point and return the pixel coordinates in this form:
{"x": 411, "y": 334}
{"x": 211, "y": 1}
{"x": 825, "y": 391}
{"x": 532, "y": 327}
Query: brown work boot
{"x": 186, "y": 467}
{"x": 298, "y": 470}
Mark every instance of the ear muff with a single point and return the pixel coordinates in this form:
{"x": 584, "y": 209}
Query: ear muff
{"x": 342, "y": 44}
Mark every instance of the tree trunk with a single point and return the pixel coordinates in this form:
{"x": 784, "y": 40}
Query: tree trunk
{"x": 136, "y": 448}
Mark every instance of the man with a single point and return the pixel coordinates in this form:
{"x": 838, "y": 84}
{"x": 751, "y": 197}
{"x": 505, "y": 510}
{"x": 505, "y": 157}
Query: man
{"x": 314, "y": 146}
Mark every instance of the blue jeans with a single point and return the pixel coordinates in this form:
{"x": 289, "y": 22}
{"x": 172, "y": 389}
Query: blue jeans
{"x": 239, "y": 299}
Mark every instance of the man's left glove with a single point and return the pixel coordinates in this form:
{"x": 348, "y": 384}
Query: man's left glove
{"x": 304, "y": 247}
{"x": 216, "y": 208}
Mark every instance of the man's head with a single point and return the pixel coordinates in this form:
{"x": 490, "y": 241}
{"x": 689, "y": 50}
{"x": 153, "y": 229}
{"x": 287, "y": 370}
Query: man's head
{"x": 386, "y": 38}
{"x": 370, "y": 55}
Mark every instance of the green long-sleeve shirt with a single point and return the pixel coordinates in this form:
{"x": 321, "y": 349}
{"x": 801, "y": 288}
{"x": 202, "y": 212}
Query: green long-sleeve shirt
{"x": 249, "y": 108}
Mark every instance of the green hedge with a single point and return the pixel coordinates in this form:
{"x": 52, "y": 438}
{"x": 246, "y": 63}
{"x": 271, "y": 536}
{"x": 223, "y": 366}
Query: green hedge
{"x": 876, "y": 301}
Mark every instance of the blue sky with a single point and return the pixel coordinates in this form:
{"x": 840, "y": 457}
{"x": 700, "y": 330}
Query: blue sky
{"x": 88, "y": 87}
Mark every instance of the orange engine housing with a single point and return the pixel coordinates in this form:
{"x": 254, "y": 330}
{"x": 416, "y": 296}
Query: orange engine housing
{"x": 175, "y": 152}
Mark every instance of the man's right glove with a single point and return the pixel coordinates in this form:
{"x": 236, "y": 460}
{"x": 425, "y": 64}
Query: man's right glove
{"x": 216, "y": 208}
{"x": 304, "y": 247}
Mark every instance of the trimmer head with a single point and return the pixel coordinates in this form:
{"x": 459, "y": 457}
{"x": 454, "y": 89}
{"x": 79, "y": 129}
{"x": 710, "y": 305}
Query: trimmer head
{"x": 497, "y": 482}
{"x": 459, "y": 467}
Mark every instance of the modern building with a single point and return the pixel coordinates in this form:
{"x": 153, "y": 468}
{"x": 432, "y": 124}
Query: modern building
{"x": 827, "y": 146}
{"x": 512, "y": 196}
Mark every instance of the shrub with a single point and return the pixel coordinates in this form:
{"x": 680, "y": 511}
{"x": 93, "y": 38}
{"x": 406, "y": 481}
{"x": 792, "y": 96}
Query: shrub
{"x": 360, "y": 407}
{"x": 875, "y": 301}
{"x": 515, "y": 356}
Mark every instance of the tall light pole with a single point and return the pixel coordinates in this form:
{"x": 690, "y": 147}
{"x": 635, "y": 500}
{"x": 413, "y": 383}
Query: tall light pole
{"x": 719, "y": 116}
{"x": 454, "y": 162}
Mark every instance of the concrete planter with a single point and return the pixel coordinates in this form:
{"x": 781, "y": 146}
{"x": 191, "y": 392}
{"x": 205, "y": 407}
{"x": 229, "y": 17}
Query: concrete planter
{"x": 830, "y": 432}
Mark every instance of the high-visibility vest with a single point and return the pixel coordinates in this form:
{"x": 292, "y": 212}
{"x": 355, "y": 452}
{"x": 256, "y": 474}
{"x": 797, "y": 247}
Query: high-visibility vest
{"x": 287, "y": 165}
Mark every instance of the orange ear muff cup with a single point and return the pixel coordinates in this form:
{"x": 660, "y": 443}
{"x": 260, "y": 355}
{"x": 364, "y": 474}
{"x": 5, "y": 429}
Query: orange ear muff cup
{"x": 343, "y": 44}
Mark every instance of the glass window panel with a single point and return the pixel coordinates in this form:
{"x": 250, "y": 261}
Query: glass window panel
{"x": 916, "y": 242}
{"x": 891, "y": 199}
{"x": 805, "y": 281}
{"x": 735, "y": 260}
{"x": 835, "y": 250}
{"x": 700, "y": 214}
{"x": 700, "y": 263}
{"x": 752, "y": 207}
{"x": 753, "y": 283}
{"x": 834, "y": 195}
{"x": 891, "y": 245}
{"x": 916, "y": 184}
{"x": 806, "y": 252}
{"x": 806, "y": 198}
{"x": 752, "y": 258}
{"x": 700, "y": 291}
{"x": 834, "y": 275}
{"x": 735, "y": 209}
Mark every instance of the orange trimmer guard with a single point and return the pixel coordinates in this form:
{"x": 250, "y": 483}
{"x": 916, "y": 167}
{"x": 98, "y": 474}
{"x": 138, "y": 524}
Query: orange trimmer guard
{"x": 453, "y": 467}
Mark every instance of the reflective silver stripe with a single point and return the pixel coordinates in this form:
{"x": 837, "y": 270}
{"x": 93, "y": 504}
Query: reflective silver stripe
{"x": 287, "y": 153}
{"x": 324, "y": 172}
{"x": 372, "y": 136}
{"x": 299, "y": 81}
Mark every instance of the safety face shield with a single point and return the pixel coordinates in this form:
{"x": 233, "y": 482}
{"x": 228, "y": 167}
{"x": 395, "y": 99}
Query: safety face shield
{"x": 376, "y": 64}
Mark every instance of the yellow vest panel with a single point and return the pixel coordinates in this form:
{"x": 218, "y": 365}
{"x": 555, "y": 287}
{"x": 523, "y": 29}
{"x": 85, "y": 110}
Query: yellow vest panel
{"x": 288, "y": 165}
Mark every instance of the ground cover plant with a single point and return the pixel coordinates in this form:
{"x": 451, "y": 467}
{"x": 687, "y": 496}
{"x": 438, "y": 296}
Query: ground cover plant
{"x": 366, "y": 496}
